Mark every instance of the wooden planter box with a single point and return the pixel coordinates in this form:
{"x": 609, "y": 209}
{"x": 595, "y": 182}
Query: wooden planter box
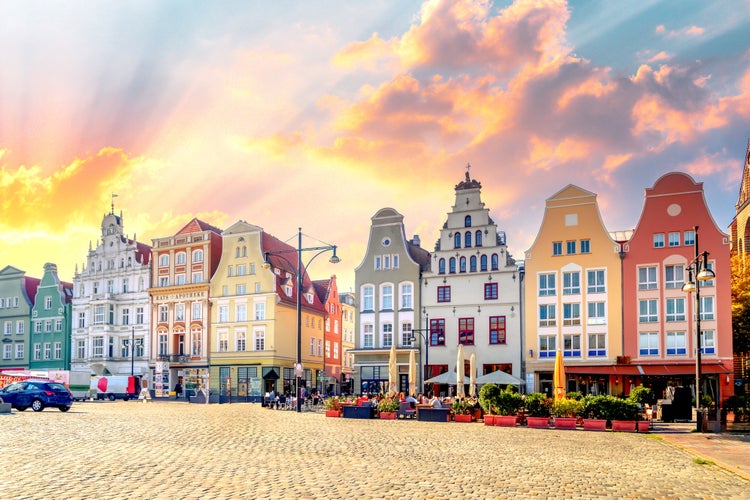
{"x": 388, "y": 415}
{"x": 462, "y": 418}
{"x": 623, "y": 425}
{"x": 537, "y": 422}
{"x": 565, "y": 422}
{"x": 434, "y": 414}
{"x": 333, "y": 413}
{"x": 643, "y": 425}
{"x": 489, "y": 419}
{"x": 505, "y": 420}
{"x": 594, "y": 424}
{"x": 357, "y": 411}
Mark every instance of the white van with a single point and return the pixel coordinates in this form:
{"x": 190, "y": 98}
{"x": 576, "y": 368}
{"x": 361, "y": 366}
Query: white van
{"x": 115, "y": 387}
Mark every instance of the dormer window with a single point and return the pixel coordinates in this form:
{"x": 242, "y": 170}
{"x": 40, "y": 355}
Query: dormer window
{"x": 309, "y": 298}
{"x": 288, "y": 290}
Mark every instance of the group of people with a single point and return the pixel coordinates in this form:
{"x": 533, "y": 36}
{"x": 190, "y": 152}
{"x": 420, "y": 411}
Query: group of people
{"x": 276, "y": 401}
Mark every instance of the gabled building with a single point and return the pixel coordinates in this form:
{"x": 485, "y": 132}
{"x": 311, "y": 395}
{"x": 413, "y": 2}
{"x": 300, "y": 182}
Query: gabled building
{"x": 348, "y": 308}
{"x": 573, "y": 297}
{"x": 51, "y": 320}
{"x": 330, "y": 380}
{"x": 182, "y": 267}
{"x": 17, "y": 294}
{"x": 387, "y": 283}
{"x": 660, "y": 339}
{"x": 471, "y": 297}
{"x": 739, "y": 228}
{"x": 111, "y": 304}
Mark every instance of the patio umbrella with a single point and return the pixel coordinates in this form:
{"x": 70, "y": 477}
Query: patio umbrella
{"x": 460, "y": 372}
{"x": 392, "y": 372}
{"x": 499, "y": 377}
{"x": 445, "y": 378}
{"x": 559, "y": 377}
{"x": 473, "y": 376}
{"x": 412, "y": 373}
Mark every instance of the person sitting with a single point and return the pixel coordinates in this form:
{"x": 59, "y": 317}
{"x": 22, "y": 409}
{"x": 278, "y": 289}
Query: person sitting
{"x": 411, "y": 400}
{"x": 435, "y": 402}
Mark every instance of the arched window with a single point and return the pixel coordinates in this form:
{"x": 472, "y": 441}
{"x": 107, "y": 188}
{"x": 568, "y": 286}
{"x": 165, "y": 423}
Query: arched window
{"x": 467, "y": 221}
{"x": 244, "y": 251}
{"x": 180, "y": 258}
{"x": 457, "y": 240}
{"x": 237, "y": 252}
{"x": 441, "y": 266}
{"x": 462, "y": 265}
{"x": 163, "y": 260}
{"x": 467, "y": 239}
{"x": 198, "y": 256}
{"x": 494, "y": 262}
{"x": 452, "y": 265}
{"x": 473, "y": 264}
{"x": 478, "y": 239}
{"x": 483, "y": 263}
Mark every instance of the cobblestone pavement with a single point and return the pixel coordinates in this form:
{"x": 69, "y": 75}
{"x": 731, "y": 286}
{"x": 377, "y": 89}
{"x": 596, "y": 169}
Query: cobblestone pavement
{"x": 165, "y": 450}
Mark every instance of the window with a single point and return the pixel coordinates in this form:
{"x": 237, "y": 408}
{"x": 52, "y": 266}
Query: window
{"x": 48, "y": 303}
{"x": 241, "y": 341}
{"x": 647, "y": 278}
{"x": 675, "y": 310}
{"x": 38, "y": 324}
{"x": 406, "y": 296}
{"x": 19, "y": 327}
{"x": 707, "y": 308}
{"x": 406, "y": 334}
{"x": 478, "y": 238}
{"x": 473, "y": 264}
{"x": 708, "y": 283}
{"x": 386, "y": 262}
{"x": 163, "y": 260}
{"x": 674, "y": 239}
{"x": 494, "y": 262}
{"x": 596, "y": 313}
{"x": 585, "y": 246}
{"x": 125, "y": 286}
{"x": 676, "y": 344}
{"x": 110, "y": 286}
{"x": 47, "y": 350}
{"x": 179, "y": 312}
{"x": 198, "y": 256}
{"x": 483, "y": 263}
{"x": 19, "y": 351}
{"x": 572, "y": 283}
{"x": 547, "y": 346}
{"x": 648, "y": 344}
{"x": 369, "y": 337}
{"x": 196, "y": 310}
{"x": 240, "y": 312}
{"x": 124, "y": 348}
{"x": 570, "y": 247}
{"x": 647, "y": 311}
{"x": 546, "y": 284}
{"x": 81, "y": 349}
{"x": 223, "y": 314}
{"x": 198, "y": 277}
{"x": 111, "y": 314}
{"x": 180, "y": 258}
{"x": 96, "y": 287}
{"x": 674, "y": 276}
{"x": 260, "y": 311}
{"x": 387, "y": 299}
{"x": 162, "y": 344}
{"x": 441, "y": 266}
{"x": 8, "y": 328}
{"x": 572, "y": 345}
{"x": 58, "y": 325}
{"x": 490, "y": 291}
{"x": 7, "y": 351}
{"x": 241, "y": 269}
{"x": 230, "y": 271}
{"x": 659, "y": 240}
{"x": 437, "y": 332}
{"x": 164, "y": 281}
{"x": 328, "y": 349}
{"x": 444, "y": 294}
{"x": 597, "y": 345}
{"x": 557, "y": 248}
{"x": 466, "y": 331}
{"x": 547, "y": 315}
{"x": 708, "y": 342}
{"x": 462, "y": 265}
{"x": 452, "y": 265}
{"x": 37, "y": 351}
{"x": 689, "y": 238}
{"x": 367, "y": 299}
{"x": 457, "y": 240}
{"x": 126, "y": 316}
{"x": 497, "y": 330}
{"x": 259, "y": 340}
{"x": 223, "y": 341}
{"x": 241, "y": 289}
{"x": 595, "y": 281}
{"x": 387, "y": 334}
{"x": 197, "y": 342}
{"x": 467, "y": 239}
{"x": 467, "y": 221}
{"x": 571, "y": 314}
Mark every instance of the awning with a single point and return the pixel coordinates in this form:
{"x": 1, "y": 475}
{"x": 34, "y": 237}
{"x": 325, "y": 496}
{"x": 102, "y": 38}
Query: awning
{"x": 270, "y": 373}
{"x": 638, "y": 370}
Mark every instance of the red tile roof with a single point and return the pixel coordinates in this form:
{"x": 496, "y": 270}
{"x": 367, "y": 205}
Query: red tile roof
{"x": 31, "y": 285}
{"x": 197, "y": 226}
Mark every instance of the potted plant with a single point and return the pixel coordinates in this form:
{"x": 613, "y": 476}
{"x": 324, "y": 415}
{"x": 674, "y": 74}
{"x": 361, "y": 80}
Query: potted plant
{"x": 566, "y": 411}
{"x": 623, "y": 415}
{"x": 641, "y": 396}
{"x": 508, "y": 402}
{"x": 332, "y": 406}
{"x": 462, "y": 410}
{"x": 594, "y": 416}
{"x": 388, "y": 408}
{"x": 537, "y": 406}
{"x": 488, "y": 399}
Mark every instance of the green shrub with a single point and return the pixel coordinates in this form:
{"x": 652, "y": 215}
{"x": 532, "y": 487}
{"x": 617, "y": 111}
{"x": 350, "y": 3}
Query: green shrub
{"x": 566, "y": 407}
{"x": 642, "y": 395}
{"x": 388, "y": 405}
{"x": 488, "y": 394}
{"x": 537, "y": 404}
{"x": 575, "y": 395}
{"x": 508, "y": 402}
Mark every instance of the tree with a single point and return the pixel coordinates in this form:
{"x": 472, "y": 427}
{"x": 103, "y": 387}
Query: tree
{"x": 740, "y": 303}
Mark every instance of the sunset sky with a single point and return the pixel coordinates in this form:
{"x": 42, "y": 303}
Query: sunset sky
{"x": 319, "y": 113}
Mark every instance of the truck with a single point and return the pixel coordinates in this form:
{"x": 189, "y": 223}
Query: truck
{"x": 79, "y": 384}
{"x": 115, "y": 387}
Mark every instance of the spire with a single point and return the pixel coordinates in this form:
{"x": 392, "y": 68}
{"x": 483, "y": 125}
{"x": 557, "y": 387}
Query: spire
{"x": 113, "y": 203}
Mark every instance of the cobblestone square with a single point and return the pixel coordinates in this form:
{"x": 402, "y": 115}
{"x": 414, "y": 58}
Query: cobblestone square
{"x": 165, "y": 450}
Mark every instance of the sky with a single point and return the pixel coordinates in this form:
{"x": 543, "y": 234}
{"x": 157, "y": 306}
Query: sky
{"x": 317, "y": 114}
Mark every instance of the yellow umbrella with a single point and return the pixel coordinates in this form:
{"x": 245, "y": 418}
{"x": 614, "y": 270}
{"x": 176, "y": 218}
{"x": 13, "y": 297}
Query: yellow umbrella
{"x": 473, "y": 376}
{"x": 412, "y": 373}
{"x": 460, "y": 377}
{"x": 559, "y": 376}
{"x": 392, "y": 372}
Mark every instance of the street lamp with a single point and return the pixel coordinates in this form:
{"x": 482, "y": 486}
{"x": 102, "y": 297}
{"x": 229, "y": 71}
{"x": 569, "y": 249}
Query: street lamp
{"x": 132, "y": 351}
{"x": 298, "y": 369}
{"x": 699, "y": 265}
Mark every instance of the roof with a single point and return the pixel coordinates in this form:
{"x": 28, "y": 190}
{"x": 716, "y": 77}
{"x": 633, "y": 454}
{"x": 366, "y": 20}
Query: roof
{"x": 419, "y": 255}
{"x": 322, "y": 287}
{"x": 197, "y": 226}
{"x": 31, "y": 284}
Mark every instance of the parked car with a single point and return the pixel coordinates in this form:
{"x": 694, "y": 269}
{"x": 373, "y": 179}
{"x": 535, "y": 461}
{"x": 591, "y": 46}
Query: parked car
{"x": 37, "y": 394}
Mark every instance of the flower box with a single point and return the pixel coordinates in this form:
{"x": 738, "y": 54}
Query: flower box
{"x": 505, "y": 420}
{"x": 387, "y": 415}
{"x": 537, "y": 422}
{"x": 489, "y": 419}
{"x": 594, "y": 424}
{"x": 461, "y": 418}
{"x": 623, "y": 425}
{"x": 333, "y": 413}
{"x": 565, "y": 422}
{"x": 643, "y": 425}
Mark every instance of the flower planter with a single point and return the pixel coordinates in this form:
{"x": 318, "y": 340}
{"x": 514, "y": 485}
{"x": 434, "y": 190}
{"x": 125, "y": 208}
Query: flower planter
{"x": 537, "y": 422}
{"x": 333, "y": 413}
{"x": 623, "y": 425}
{"x": 489, "y": 419}
{"x": 594, "y": 424}
{"x": 462, "y": 418}
{"x": 565, "y": 422}
{"x": 505, "y": 420}
{"x": 643, "y": 425}
{"x": 387, "y": 415}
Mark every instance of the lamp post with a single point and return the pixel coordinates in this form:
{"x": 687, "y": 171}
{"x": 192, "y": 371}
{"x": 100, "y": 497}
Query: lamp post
{"x": 298, "y": 368}
{"x": 699, "y": 265}
{"x": 132, "y": 351}
{"x": 423, "y": 332}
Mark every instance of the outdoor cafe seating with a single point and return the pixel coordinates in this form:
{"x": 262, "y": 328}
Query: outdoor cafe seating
{"x": 405, "y": 410}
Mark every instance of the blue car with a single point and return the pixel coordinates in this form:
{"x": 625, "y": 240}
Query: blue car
{"x": 37, "y": 395}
